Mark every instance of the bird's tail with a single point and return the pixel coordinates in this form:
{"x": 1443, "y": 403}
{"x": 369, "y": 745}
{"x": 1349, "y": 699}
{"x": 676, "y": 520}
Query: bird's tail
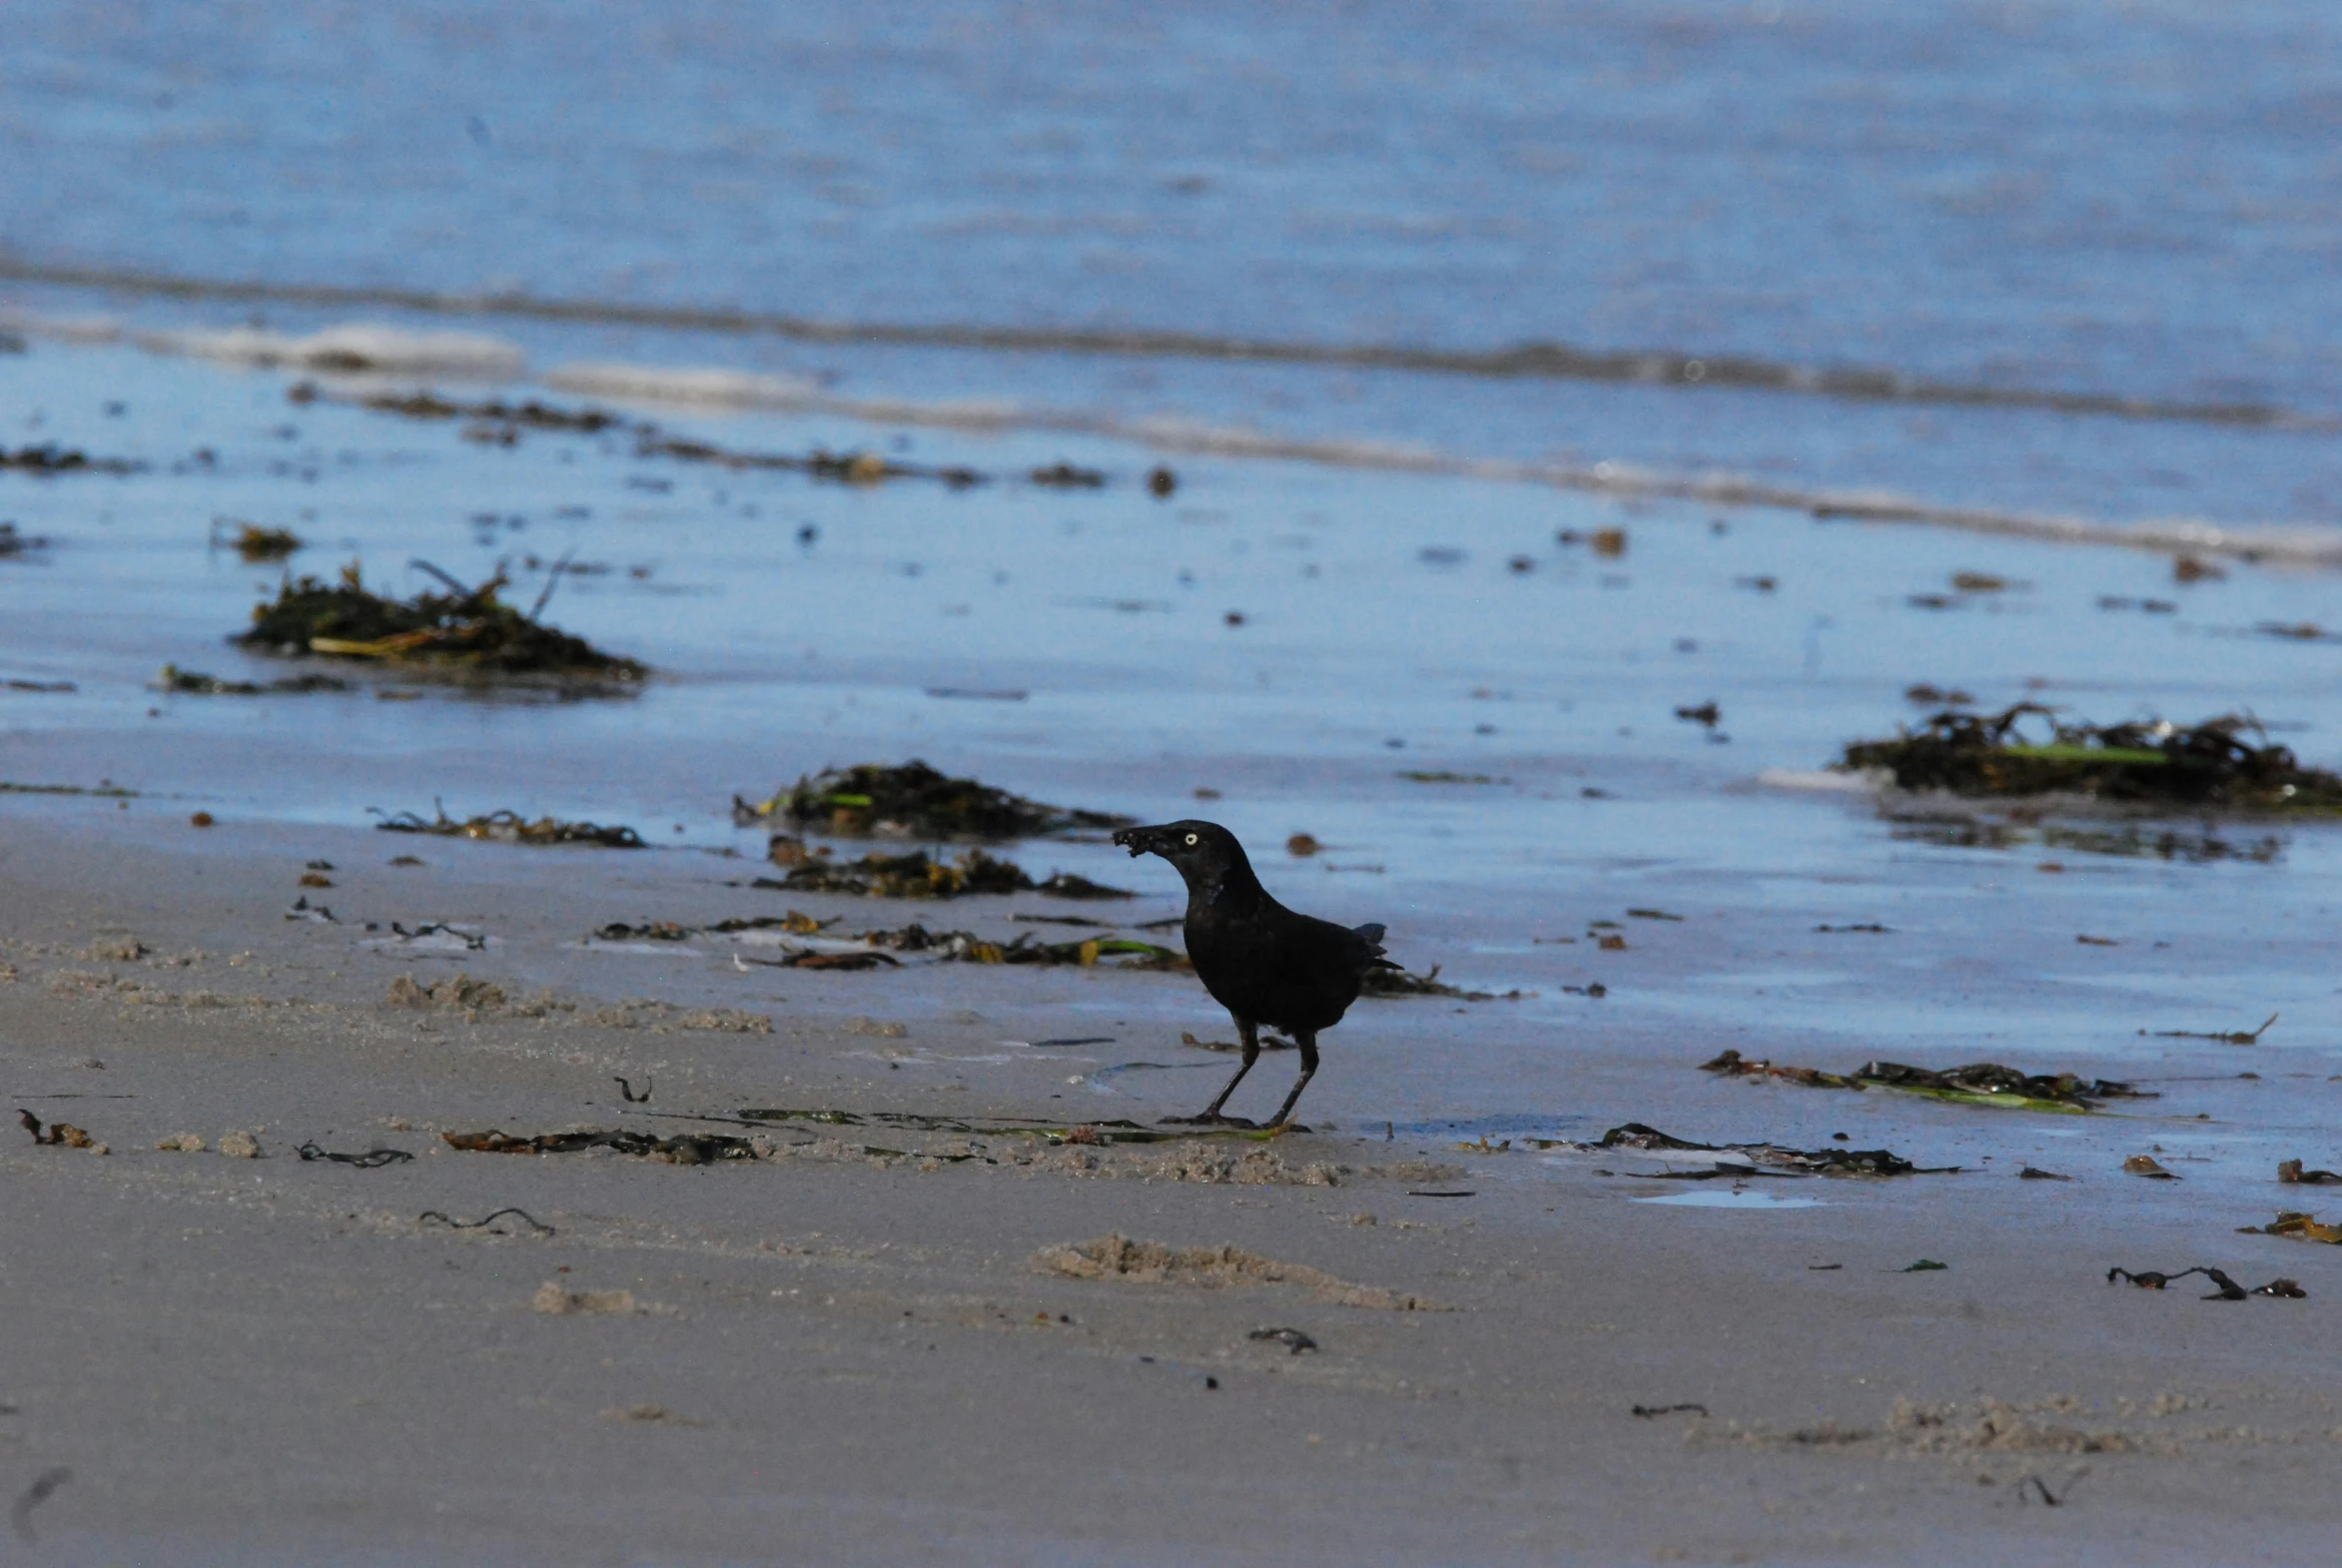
{"x": 1372, "y": 936}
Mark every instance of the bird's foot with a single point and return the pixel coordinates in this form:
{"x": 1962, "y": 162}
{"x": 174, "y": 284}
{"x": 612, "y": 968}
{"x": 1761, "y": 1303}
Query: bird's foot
{"x": 1281, "y": 1128}
{"x": 1209, "y": 1119}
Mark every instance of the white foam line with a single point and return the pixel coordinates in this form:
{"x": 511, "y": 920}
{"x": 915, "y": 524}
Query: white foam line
{"x": 1170, "y": 434}
{"x": 364, "y": 348}
{"x": 353, "y": 348}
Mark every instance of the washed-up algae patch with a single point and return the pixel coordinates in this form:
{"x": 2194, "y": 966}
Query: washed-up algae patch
{"x": 1150, "y": 1262}
{"x": 1754, "y": 1158}
{"x": 464, "y": 630}
{"x": 1987, "y": 1426}
{"x": 14, "y": 545}
{"x": 2223, "y": 1287}
{"x": 2150, "y": 762}
{"x": 684, "y": 1149}
{"x": 1394, "y": 982}
{"x": 254, "y": 542}
{"x": 1978, "y": 1083}
{"x": 916, "y": 875}
{"x": 2128, "y": 840}
{"x": 509, "y": 827}
{"x": 2299, "y": 1225}
{"x": 193, "y": 683}
{"x": 51, "y": 459}
{"x": 495, "y": 422}
{"x": 913, "y": 800}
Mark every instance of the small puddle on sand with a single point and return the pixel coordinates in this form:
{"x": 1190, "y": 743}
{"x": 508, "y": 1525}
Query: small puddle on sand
{"x": 1749, "y": 1198}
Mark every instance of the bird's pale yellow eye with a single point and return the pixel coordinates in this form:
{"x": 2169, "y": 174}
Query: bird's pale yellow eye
{"x": 1191, "y": 838}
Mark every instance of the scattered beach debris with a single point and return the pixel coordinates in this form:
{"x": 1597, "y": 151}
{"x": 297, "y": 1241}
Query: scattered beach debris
{"x": 1926, "y": 1266}
{"x": 434, "y": 1216}
{"x": 429, "y": 405}
{"x": 239, "y": 1145}
{"x": 1268, "y": 1042}
{"x": 62, "y": 1135}
{"x": 1294, "y": 1341}
{"x": 254, "y": 542}
{"x": 2223, "y": 1287}
{"x": 458, "y": 992}
{"x": 552, "y": 1297}
{"x": 509, "y": 827}
{"x": 1754, "y": 1158}
{"x": 51, "y": 459}
{"x": 1978, "y": 1083}
{"x": 2301, "y": 1226}
{"x": 433, "y": 934}
{"x": 14, "y": 545}
{"x": 2147, "y": 1165}
{"x": 1647, "y": 1411}
{"x": 195, "y": 683}
{"x": 627, "y": 1094}
{"x": 2035, "y": 1174}
{"x": 371, "y": 1160}
{"x": 1064, "y": 475}
{"x": 913, "y": 800}
{"x": 2237, "y": 1038}
{"x": 465, "y": 630}
{"x": 2290, "y": 1172}
{"x": 1706, "y": 715}
{"x": 2144, "y": 762}
{"x": 1119, "y": 1258}
{"x": 1401, "y": 983}
{"x": 182, "y": 1144}
{"x": 917, "y": 876}
{"x": 684, "y": 1149}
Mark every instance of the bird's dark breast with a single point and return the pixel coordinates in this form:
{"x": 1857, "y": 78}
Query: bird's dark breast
{"x": 1295, "y": 973}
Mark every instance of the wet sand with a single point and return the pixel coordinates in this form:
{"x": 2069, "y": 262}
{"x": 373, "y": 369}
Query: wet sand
{"x": 827, "y": 1354}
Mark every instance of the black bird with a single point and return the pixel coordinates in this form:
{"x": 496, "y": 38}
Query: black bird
{"x": 1259, "y": 960}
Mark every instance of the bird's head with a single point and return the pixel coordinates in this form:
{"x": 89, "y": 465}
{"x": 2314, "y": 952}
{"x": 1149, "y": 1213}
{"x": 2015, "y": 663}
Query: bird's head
{"x": 1202, "y": 852}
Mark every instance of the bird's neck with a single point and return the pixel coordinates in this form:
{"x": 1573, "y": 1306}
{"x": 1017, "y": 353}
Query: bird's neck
{"x": 1234, "y": 891}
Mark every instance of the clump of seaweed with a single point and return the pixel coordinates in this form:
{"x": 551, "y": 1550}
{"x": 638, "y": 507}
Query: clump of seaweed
{"x": 917, "y": 876}
{"x": 509, "y": 827}
{"x": 14, "y": 544}
{"x": 466, "y": 628}
{"x": 1381, "y": 982}
{"x": 196, "y": 684}
{"x": 53, "y": 458}
{"x": 429, "y": 405}
{"x": 254, "y": 542}
{"x": 1776, "y": 1157}
{"x": 1978, "y": 1084}
{"x": 2147, "y": 762}
{"x": 913, "y": 800}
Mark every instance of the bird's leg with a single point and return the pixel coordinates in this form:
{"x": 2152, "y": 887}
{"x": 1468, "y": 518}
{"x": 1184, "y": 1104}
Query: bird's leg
{"x": 1308, "y": 1041}
{"x": 1250, "y": 1033}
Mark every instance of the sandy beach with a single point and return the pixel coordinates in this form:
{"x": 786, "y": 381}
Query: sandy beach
{"x": 830, "y": 1353}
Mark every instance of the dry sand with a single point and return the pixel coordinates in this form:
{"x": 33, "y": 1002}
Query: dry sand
{"x": 944, "y": 1352}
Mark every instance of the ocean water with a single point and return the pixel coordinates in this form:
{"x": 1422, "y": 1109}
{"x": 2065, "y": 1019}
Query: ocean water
{"x": 2042, "y": 268}
{"x": 1951, "y": 209}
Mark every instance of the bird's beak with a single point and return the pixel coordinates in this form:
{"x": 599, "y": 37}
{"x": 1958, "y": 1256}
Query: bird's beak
{"x": 1143, "y": 841}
